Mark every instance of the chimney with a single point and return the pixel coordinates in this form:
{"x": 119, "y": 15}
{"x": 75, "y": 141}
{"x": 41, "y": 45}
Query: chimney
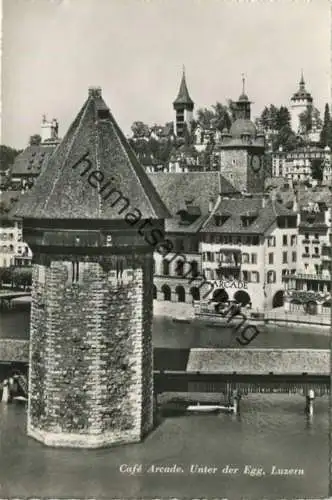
{"x": 210, "y": 205}
{"x": 94, "y": 91}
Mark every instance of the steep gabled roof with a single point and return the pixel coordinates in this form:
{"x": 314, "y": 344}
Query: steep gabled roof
{"x": 236, "y": 209}
{"x": 32, "y": 160}
{"x": 63, "y": 192}
{"x": 199, "y": 187}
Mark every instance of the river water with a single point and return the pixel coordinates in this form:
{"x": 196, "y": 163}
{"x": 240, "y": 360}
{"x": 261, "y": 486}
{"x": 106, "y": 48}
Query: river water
{"x": 271, "y": 430}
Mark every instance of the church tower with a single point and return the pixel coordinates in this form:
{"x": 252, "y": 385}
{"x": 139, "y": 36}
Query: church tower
{"x": 90, "y": 367}
{"x": 300, "y": 102}
{"x": 183, "y": 106}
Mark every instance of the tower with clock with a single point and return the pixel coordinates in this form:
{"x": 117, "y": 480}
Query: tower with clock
{"x": 241, "y": 151}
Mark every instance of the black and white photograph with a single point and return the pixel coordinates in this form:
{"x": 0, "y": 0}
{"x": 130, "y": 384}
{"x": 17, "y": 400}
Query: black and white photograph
{"x": 165, "y": 249}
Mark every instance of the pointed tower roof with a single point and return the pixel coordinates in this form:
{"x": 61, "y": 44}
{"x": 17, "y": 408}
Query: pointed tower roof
{"x": 183, "y": 98}
{"x": 302, "y": 93}
{"x": 94, "y": 143}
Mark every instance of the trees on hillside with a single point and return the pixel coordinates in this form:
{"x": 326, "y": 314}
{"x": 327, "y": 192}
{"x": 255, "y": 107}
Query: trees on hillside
{"x": 317, "y": 166}
{"x": 7, "y": 157}
{"x": 140, "y": 129}
{"x": 273, "y": 118}
{"x": 219, "y": 116}
{"x": 17, "y": 277}
{"x": 35, "y": 140}
{"x": 287, "y": 139}
{"x": 326, "y": 133}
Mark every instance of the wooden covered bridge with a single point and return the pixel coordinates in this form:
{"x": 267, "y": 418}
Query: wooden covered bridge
{"x": 223, "y": 371}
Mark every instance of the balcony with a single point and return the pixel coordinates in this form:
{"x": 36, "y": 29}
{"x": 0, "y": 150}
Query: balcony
{"x": 229, "y": 264}
{"x": 306, "y": 255}
{"x": 315, "y": 256}
{"x": 316, "y": 242}
{"x": 305, "y": 241}
{"x": 300, "y": 276}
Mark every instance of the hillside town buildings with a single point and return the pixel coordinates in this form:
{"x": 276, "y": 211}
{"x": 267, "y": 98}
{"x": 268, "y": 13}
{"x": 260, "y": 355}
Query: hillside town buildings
{"x": 296, "y": 165}
{"x": 233, "y": 238}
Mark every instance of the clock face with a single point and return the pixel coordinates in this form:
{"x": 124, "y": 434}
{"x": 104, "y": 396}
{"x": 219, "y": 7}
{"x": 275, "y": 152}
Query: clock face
{"x": 256, "y": 163}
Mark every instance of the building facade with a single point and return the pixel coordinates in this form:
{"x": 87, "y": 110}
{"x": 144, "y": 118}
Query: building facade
{"x": 13, "y": 250}
{"x": 310, "y": 283}
{"x": 296, "y": 165}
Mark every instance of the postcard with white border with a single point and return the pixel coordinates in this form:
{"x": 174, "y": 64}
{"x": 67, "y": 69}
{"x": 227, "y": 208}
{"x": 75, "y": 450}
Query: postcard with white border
{"x": 165, "y": 249}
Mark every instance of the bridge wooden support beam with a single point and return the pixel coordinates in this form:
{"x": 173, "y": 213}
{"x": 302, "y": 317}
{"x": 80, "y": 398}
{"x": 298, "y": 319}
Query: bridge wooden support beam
{"x": 309, "y": 406}
{"x": 155, "y": 407}
{"x": 234, "y": 401}
{"x": 5, "y": 392}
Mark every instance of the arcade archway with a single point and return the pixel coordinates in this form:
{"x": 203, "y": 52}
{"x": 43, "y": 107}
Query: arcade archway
{"x": 195, "y": 293}
{"x": 311, "y": 307}
{"x": 220, "y": 295}
{"x": 242, "y": 297}
{"x": 166, "y": 291}
{"x": 181, "y": 294}
{"x": 278, "y": 299}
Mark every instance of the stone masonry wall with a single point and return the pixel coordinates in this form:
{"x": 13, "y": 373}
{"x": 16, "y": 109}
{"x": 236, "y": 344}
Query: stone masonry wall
{"x": 234, "y": 167}
{"x": 91, "y": 353}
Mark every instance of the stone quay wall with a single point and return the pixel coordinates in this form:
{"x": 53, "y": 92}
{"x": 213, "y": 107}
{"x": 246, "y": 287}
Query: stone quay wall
{"x": 14, "y": 350}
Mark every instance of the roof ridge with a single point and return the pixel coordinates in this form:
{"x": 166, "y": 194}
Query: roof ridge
{"x": 127, "y": 156}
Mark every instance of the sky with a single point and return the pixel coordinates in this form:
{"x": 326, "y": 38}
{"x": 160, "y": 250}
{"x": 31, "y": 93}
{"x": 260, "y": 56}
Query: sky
{"x": 53, "y": 50}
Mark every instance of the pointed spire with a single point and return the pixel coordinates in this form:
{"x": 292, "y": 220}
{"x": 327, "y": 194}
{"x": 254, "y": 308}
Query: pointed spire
{"x": 183, "y": 97}
{"x": 302, "y": 82}
{"x": 243, "y": 96}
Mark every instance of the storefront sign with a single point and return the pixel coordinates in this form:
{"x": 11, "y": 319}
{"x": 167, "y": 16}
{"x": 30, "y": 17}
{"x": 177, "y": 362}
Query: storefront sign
{"x": 238, "y": 284}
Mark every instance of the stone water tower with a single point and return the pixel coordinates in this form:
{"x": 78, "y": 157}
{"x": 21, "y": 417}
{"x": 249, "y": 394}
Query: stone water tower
{"x": 91, "y": 220}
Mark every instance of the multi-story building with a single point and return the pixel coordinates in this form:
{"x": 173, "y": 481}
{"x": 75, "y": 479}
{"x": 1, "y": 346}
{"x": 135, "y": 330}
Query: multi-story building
{"x": 13, "y": 250}
{"x": 31, "y": 162}
{"x": 190, "y": 197}
{"x": 296, "y": 165}
{"x": 311, "y": 280}
{"x": 225, "y": 245}
{"x": 26, "y": 168}
{"x": 246, "y": 249}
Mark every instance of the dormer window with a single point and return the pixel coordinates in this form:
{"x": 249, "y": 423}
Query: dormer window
{"x": 220, "y": 219}
{"x": 103, "y": 114}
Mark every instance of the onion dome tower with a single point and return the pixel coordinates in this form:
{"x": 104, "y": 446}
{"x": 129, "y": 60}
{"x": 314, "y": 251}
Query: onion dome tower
{"x": 300, "y": 102}
{"x": 183, "y": 106}
{"x": 92, "y": 220}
